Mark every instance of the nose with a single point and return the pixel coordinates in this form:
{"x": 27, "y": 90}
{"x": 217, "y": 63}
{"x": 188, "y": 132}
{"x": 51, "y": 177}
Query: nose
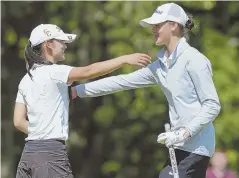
{"x": 65, "y": 46}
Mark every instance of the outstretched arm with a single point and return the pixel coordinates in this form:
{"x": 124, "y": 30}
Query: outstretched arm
{"x": 105, "y": 67}
{"x": 144, "y": 77}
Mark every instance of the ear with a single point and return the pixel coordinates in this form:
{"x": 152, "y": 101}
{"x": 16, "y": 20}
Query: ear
{"x": 174, "y": 25}
{"x": 49, "y": 44}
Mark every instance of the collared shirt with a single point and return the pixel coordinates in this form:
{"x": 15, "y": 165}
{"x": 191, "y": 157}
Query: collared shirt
{"x": 188, "y": 86}
{"x": 168, "y": 61}
{"x": 47, "y": 101}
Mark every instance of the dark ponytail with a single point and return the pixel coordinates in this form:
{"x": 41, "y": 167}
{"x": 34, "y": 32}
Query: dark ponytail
{"x": 189, "y": 24}
{"x": 33, "y": 55}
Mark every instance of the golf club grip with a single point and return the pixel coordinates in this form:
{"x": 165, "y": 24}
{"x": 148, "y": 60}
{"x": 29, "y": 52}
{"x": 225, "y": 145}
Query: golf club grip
{"x": 172, "y": 155}
{"x": 173, "y": 162}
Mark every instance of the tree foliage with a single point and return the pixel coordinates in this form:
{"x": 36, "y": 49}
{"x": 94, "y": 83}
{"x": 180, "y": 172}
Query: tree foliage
{"x": 115, "y": 135}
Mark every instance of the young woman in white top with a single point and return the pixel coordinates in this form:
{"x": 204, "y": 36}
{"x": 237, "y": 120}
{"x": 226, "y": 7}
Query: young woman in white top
{"x": 42, "y": 103}
{"x": 185, "y": 77}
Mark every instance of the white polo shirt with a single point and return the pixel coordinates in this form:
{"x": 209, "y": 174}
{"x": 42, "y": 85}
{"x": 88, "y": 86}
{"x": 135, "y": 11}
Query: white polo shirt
{"x": 47, "y": 101}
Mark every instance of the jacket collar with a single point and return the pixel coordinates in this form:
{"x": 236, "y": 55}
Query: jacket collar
{"x": 180, "y": 48}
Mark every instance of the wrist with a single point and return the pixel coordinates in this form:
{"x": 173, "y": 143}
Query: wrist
{"x": 124, "y": 60}
{"x": 74, "y": 93}
{"x": 186, "y": 133}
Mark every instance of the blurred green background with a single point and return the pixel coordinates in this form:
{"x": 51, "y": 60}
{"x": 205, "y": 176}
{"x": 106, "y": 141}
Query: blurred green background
{"x": 115, "y": 135}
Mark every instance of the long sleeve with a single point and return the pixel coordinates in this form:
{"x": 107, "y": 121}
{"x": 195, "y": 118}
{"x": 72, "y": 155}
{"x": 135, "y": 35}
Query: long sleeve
{"x": 200, "y": 72}
{"x": 144, "y": 77}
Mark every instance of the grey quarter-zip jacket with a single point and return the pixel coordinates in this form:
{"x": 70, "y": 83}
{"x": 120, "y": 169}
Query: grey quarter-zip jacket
{"x": 185, "y": 78}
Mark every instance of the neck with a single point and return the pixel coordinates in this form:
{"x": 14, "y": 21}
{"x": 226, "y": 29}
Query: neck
{"x": 50, "y": 58}
{"x": 172, "y": 44}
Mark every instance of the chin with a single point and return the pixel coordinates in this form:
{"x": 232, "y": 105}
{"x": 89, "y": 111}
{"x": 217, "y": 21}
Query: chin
{"x": 159, "y": 42}
{"x": 61, "y": 59}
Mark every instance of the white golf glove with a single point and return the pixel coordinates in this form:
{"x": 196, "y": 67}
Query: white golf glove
{"x": 174, "y": 137}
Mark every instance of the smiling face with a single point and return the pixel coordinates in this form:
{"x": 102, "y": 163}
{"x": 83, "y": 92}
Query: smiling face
{"x": 54, "y": 50}
{"x": 163, "y": 32}
{"x": 58, "y": 50}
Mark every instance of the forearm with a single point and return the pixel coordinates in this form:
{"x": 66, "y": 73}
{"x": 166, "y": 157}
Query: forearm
{"x": 105, "y": 67}
{"x": 95, "y": 70}
{"x": 200, "y": 72}
{"x": 103, "y": 87}
{"x": 138, "y": 79}
{"x": 22, "y": 126}
{"x": 210, "y": 110}
{"x": 20, "y": 116}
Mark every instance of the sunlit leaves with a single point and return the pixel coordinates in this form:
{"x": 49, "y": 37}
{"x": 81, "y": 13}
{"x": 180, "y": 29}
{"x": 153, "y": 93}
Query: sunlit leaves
{"x": 104, "y": 116}
{"x": 110, "y": 166}
{"x": 132, "y": 119}
{"x": 10, "y": 36}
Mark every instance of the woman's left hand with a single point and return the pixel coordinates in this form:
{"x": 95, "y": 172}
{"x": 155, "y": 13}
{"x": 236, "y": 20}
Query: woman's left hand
{"x": 73, "y": 93}
{"x": 174, "y": 137}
